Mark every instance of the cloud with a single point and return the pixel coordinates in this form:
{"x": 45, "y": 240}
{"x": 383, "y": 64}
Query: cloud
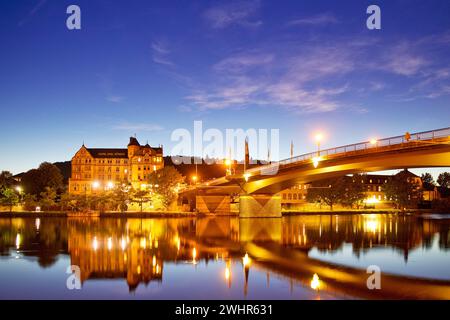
{"x": 298, "y": 82}
{"x": 233, "y": 13}
{"x": 114, "y": 99}
{"x": 160, "y": 53}
{"x": 241, "y": 62}
{"x": 317, "y": 20}
{"x": 135, "y": 127}
{"x": 32, "y": 12}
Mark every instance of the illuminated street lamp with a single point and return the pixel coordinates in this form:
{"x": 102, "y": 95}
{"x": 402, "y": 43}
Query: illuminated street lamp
{"x": 247, "y": 176}
{"x": 194, "y": 179}
{"x": 318, "y": 137}
{"x": 95, "y": 185}
{"x": 373, "y": 141}
{"x": 110, "y": 185}
{"x": 228, "y": 165}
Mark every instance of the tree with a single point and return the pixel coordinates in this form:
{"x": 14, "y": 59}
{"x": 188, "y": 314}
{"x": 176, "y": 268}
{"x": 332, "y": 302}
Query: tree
{"x": 9, "y": 198}
{"x": 121, "y": 198}
{"x": 29, "y": 202}
{"x": 165, "y": 184}
{"x": 353, "y": 192}
{"x": 402, "y": 190}
{"x": 36, "y": 180}
{"x": 140, "y": 197}
{"x": 329, "y": 191}
{"x": 444, "y": 179}
{"x": 6, "y": 180}
{"x": 48, "y": 198}
{"x": 428, "y": 181}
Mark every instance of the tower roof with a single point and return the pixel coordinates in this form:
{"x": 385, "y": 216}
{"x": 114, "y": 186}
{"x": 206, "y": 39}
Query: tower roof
{"x": 133, "y": 142}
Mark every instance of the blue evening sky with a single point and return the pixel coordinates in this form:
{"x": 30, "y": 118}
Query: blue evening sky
{"x": 149, "y": 67}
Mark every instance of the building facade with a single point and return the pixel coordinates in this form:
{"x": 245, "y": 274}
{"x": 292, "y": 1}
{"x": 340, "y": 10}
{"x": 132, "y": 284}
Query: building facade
{"x": 374, "y": 195}
{"x": 98, "y": 169}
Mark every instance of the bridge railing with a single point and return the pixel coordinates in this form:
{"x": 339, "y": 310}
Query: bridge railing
{"x": 398, "y": 142}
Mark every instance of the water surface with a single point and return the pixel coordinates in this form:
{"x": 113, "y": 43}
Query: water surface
{"x": 222, "y": 257}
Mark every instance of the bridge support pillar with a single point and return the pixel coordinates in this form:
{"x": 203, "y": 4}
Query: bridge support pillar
{"x": 259, "y": 206}
{"x": 213, "y": 204}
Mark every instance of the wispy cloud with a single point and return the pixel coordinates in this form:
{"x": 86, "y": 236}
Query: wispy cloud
{"x": 297, "y": 82}
{"x": 234, "y": 13}
{"x": 32, "y": 12}
{"x": 316, "y": 20}
{"x": 114, "y": 99}
{"x": 243, "y": 61}
{"x": 160, "y": 53}
{"x": 403, "y": 60}
{"x": 136, "y": 127}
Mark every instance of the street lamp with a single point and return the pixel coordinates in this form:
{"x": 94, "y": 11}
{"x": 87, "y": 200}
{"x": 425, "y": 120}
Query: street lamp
{"x": 247, "y": 176}
{"x": 318, "y": 137}
{"x": 228, "y": 165}
{"x": 95, "y": 185}
{"x": 194, "y": 179}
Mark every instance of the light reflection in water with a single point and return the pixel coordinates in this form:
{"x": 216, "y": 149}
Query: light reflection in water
{"x": 138, "y": 250}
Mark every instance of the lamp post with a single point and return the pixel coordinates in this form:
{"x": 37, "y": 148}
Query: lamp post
{"x": 318, "y": 137}
{"x": 19, "y": 190}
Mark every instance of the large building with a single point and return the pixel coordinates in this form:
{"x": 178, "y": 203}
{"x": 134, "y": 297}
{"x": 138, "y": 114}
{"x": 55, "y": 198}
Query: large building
{"x": 101, "y": 169}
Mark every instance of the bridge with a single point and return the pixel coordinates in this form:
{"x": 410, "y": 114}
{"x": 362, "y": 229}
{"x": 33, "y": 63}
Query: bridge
{"x": 257, "y": 188}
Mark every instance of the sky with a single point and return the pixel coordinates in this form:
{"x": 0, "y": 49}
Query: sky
{"x": 150, "y": 67}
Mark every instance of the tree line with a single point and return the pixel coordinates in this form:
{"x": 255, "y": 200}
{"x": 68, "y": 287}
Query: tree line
{"x": 43, "y": 187}
{"x": 349, "y": 191}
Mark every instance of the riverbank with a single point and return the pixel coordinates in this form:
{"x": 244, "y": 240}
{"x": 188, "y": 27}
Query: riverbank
{"x": 153, "y": 214}
{"x": 175, "y": 214}
{"x": 360, "y": 211}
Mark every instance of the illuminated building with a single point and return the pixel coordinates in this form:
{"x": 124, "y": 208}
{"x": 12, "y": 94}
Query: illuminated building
{"x": 96, "y": 169}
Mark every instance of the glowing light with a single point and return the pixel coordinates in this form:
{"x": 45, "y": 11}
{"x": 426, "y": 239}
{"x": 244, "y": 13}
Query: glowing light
{"x": 157, "y": 269}
{"x": 372, "y": 200}
{"x": 318, "y": 137}
{"x": 194, "y": 178}
{"x": 247, "y": 176}
{"x": 246, "y": 260}
{"x": 19, "y": 189}
{"x": 37, "y": 223}
{"x": 38, "y": 209}
{"x": 227, "y": 162}
{"x": 123, "y": 244}
{"x": 154, "y": 260}
{"x": 227, "y": 273}
{"x": 315, "y": 282}
{"x": 373, "y": 141}
{"x": 110, "y": 185}
{"x": 194, "y": 255}
{"x": 138, "y": 269}
{"x": 95, "y": 244}
{"x": 18, "y": 241}
{"x": 316, "y": 161}
{"x": 109, "y": 243}
{"x": 95, "y": 184}
{"x": 143, "y": 243}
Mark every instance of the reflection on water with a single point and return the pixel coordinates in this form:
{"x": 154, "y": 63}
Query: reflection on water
{"x": 215, "y": 257}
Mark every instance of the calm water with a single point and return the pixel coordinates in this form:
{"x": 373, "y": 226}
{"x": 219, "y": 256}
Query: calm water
{"x": 206, "y": 258}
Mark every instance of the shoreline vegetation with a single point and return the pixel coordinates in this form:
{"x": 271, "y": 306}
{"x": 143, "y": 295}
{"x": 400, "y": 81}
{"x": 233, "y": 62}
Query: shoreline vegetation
{"x": 187, "y": 214}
